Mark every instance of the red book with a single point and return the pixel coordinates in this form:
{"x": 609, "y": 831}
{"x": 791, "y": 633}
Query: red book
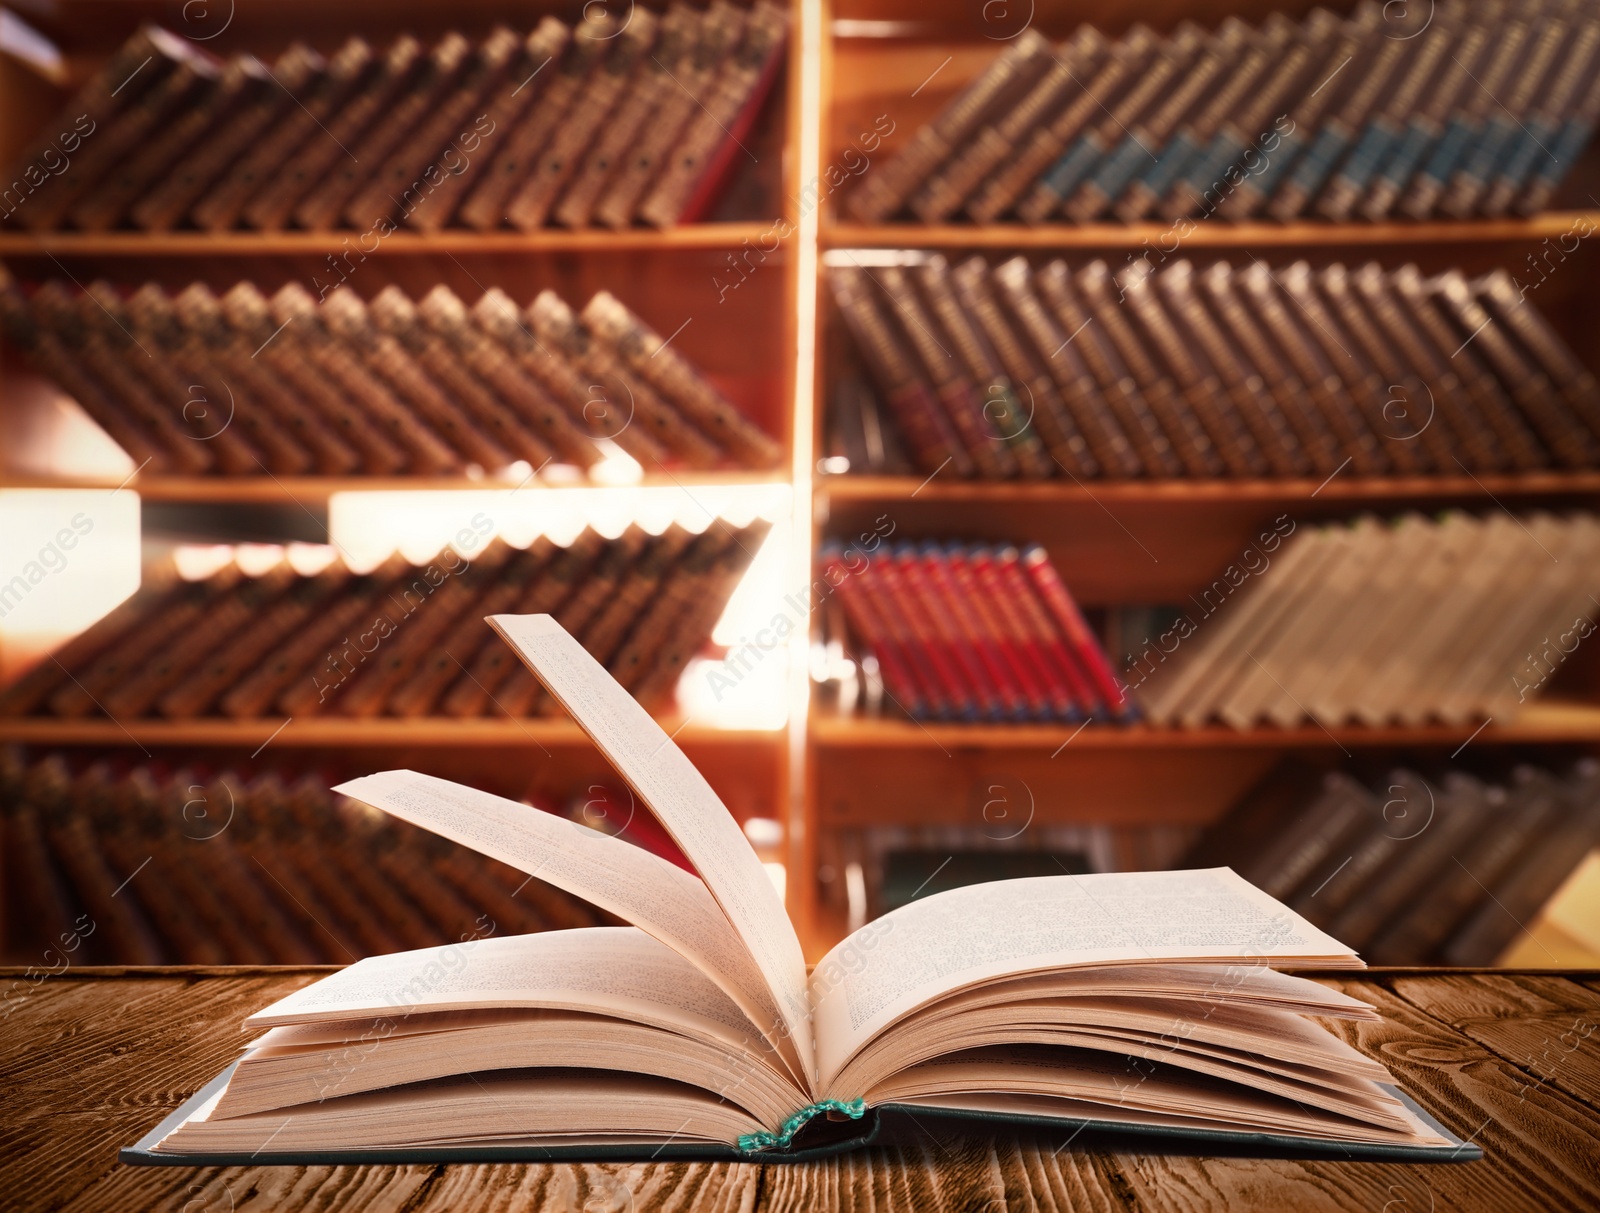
{"x": 1006, "y": 646}
{"x": 997, "y": 568}
{"x": 1003, "y": 695}
{"x": 1085, "y": 647}
{"x": 955, "y": 696}
{"x": 899, "y": 677}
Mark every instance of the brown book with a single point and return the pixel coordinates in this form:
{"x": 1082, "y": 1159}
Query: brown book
{"x": 585, "y": 403}
{"x": 263, "y": 93}
{"x": 234, "y": 660}
{"x": 1202, "y": 388}
{"x": 717, "y": 32}
{"x": 449, "y": 321}
{"x": 1521, "y": 446}
{"x": 181, "y": 133}
{"x": 427, "y": 87}
{"x": 1245, "y": 389}
{"x": 1280, "y": 376}
{"x": 1080, "y": 393}
{"x": 671, "y": 374}
{"x": 473, "y": 694}
{"x": 28, "y": 693}
{"x": 384, "y": 357}
{"x": 503, "y": 113}
{"x": 693, "y": 627}
{"x": 1044, "y": 407}
{"x": 1529, "y": 883}
{"x": 313, "y": 649}
{"x": 928, "y": 434}
{"x": 639, "y": 104}
{"x": 613, "y": 625}
{"x": 418, "y": 695}
{"x": 256, "y": 386}
{"x": 885, "y": 188}
{"x": 961, "y": 400}
{"x": 519, "y": 695}
{"x": 430, "y": 150}
{"x": 1048, "y": 141}
{"x": 990, "y": 151}
{"x": 135, "y": 66}
{"x": 678, "y": 589}
{"x": 1190, "y": 441}
{"x": 394, "y": 315}
{"x": 329, "y": 147}
{"x": 53, "y": 340}
{"x": 531, "y": 202}
{"x": 1116, "y": 385}
{"x": 134, "y": 367}
{"x": 714, "y": 130}
{"x": 954, "y": 299}
{"x": 619, "y": 400}
{"x": 149, "y": 94}
{"x": 302, "y": 330}
{"x": 562, "y": 85}
{"x": 1497, "y": 291}
{"x": 228, "y": 608}
{"x": 247, "y": 441}
{"x": 1539, "y": 399}
{"x": 249, "y": 313}
{"x": 298, "y": 117}
{"x": 1442, "y": 393}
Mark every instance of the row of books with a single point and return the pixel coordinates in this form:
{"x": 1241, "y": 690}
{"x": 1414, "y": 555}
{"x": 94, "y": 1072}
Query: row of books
{"x": 245, "y": 384}
{"x": 402, "y": 640}
{"x": 1445, "y": 868}
{"x": 1460, "y": 108}
{"x": 1015, "y": 370}
{"x": 607, "y": 122}
{"x": 146, "y": 864}
{"x": 973, "y": 633}
{"x": 1456, "y": 619}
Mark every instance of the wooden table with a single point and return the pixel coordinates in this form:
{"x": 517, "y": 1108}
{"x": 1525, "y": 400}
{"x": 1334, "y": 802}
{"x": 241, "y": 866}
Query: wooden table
{"x": 93, "y": 1058}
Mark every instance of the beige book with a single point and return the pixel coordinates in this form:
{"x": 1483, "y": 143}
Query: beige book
{"x": 1132, "y": 999}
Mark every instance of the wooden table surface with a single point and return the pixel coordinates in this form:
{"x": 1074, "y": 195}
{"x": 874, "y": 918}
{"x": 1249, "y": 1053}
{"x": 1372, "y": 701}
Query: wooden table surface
{"x": 92, "y": 1059}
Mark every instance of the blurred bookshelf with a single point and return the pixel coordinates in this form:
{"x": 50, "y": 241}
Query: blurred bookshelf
{"x": 766, "y": 332}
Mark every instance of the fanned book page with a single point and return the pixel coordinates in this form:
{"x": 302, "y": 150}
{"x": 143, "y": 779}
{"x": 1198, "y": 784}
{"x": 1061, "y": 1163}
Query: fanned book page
{"x": 1140, "y": 1005}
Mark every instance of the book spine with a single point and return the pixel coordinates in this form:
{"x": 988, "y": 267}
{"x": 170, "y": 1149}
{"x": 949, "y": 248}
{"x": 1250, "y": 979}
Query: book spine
{"x": 322, "y": 95}
{"x": 1000, "y": 574}
{"x": 1501, "y": 297}
{"x": 314, "y": 164}
{"x": 690, "y": 578}
{"x": 1001, "y": 645}
{"x": 884, "y": 191}
{"x": 949, "y": 634}
{"x": 436, "y": 148}
{"x": 530, "y": 204}
{"x": 707, "y": 150}
{"x": 1574, "y": 134}
{"x": 671, "y": 374}
{"x": 947, "y": 695}
{"x": 979, "y": 640}
{"x": 926, "y": 429}
{"x": 1086, "y": 649}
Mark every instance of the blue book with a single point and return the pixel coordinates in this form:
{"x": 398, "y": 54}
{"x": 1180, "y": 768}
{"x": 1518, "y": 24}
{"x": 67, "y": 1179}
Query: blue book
{"x": 1069, "y": 172}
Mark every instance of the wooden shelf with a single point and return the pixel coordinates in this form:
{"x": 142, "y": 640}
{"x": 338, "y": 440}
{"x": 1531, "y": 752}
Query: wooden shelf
{"x": 448, "y": 242}
{"x": 1552, "y": 722}
{"x": 1203, "y": 234}
{"x": 1190, "y": 492}
{"x": 336, "y": 732}
{"x": 292, "y": 489}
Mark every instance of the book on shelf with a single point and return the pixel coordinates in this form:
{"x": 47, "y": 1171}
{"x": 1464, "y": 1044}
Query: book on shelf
{"x": 973, "y": 632}
{"x": 581, "y": 124}
{"x": 1019, "y": 370}
{"x": 1459, "y": 620}
{"x": 1475, "y": 109}
{"x": 699, "y": 1034}
{"x": 402, "y": 640}
{"x": 197, "y": 865}
{"x": 344, "y": 387}
{"x": 1445, "y": 867}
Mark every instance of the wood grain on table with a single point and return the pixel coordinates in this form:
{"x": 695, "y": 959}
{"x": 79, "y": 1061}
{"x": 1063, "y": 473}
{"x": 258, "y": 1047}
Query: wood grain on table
{"x": 92, "y": 1059}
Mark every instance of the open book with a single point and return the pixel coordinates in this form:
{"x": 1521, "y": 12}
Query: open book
{"x": 1143, "y": 1003}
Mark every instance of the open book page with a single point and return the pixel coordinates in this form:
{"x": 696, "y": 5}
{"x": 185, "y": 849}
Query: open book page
{"x": 657, "y": 896}
{"x": 951, "y": 940}
{"x": 681, "y": 800}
